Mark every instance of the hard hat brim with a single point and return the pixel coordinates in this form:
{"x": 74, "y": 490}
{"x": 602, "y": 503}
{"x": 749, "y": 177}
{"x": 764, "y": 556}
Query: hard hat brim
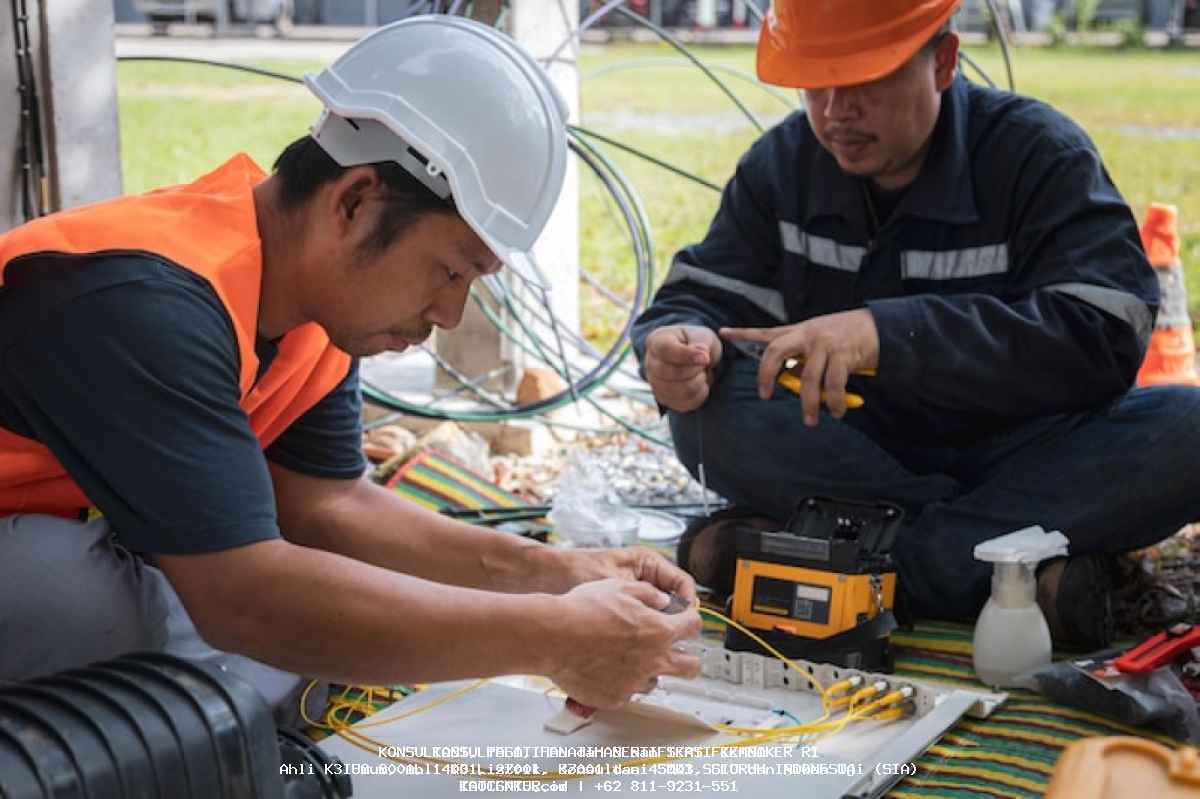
{"x": 828, "y": 73}
{"x": 783, "y": 60}
{"x": 525, "y": 266}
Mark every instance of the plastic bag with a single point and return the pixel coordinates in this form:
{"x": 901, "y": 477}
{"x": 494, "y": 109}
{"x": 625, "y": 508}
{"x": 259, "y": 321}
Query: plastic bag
{"x": 587, "y": 512}
{"x": 1157, "y": 699}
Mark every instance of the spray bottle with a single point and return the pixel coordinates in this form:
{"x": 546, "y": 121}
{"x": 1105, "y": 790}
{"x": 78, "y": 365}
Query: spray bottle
{"x": 1011, "y": 635}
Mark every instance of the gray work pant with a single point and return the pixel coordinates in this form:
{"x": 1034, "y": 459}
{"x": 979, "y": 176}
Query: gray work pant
{"x": 70, "y": 596}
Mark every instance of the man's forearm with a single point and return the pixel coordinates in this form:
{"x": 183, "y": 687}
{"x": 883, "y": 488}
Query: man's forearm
{"x": 374, "y": 525}
{"x": 323, "y": 614}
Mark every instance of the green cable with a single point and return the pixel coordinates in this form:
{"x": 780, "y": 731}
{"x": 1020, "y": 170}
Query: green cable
{"x": 541, "y": 353}
{"x": 506, "y": 330}
{"x": 641, "y": 63}
{"x": 683, "y": 173}
{"x": 628, "y": 393}
{"x": 635, "y": 217}
{"x": 671, "y": 40}
{"x": 639, "y": 210}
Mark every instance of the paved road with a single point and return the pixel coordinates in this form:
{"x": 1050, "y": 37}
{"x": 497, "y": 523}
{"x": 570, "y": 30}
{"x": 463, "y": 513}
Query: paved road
{"x": 197, "y": 44}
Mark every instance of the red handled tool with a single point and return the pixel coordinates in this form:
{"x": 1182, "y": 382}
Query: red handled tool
{"x": 1164, "y": 648}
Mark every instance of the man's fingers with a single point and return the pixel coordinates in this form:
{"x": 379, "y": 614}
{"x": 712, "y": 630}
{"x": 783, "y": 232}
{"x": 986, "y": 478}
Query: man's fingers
{"x": 683, "y": 397}
{"x": 810, "y": 390}
{"x": 650, "y": 596}
{"x": 675, "y": 371}
{"x": 685, "y": 624}
{"x": 773, "y": 360}
{"x": 681, "y": 344}
{"x": 763, "y": 334}
{"x": 836, "y": 375}
{"x": 660, "y": 572}
{"x": 668, "y": 351}
{"x": 682, "y": 584}
{"x": 681, "y": 664}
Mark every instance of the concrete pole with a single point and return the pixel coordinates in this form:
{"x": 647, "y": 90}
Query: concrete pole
{"x": 75, "y": 75}
{"x": 476, "y": 347}
{"x": 79, "y": 93}
{"x": 542, "y": 25}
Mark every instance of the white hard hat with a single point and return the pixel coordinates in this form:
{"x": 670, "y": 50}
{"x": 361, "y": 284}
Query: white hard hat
{"x": 464, "y": 109}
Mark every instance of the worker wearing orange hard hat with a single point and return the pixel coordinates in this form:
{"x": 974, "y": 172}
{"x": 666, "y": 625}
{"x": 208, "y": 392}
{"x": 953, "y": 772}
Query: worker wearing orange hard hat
{"x": 805, "y": 46}
{"x": 958, "y": 258}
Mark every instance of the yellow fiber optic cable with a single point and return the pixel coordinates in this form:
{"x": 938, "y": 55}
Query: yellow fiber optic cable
{"x": 822, "y": 726}
{"x": 758, "y": 640}
{"x": 409, "y": 714}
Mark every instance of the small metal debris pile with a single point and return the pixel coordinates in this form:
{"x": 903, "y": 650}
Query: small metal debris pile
{"x": 639, "y": 472}
{"x": 1160, "y": 585}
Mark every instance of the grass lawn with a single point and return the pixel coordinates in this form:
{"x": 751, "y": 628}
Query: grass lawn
{"x": 1141, "y": 107}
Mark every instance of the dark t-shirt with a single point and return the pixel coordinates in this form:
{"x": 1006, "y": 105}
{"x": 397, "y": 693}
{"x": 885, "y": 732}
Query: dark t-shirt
{"x": 126, "y": 368}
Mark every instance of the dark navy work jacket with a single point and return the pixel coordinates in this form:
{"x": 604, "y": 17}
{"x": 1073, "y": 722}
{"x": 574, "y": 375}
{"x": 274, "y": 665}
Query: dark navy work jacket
{"x": 1009, "y": 282}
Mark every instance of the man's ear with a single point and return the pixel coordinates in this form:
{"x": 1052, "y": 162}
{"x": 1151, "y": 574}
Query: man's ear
{"x": 946, "y": 61}
{"x": 347, "y": 194}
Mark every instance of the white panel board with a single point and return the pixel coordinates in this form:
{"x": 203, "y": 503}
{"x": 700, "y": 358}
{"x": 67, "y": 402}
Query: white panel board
{"x": 860, "y": 761}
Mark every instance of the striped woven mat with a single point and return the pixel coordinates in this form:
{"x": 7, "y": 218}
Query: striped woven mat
{"x": 438, "y": 482}
{"x": 1010, "y": 755}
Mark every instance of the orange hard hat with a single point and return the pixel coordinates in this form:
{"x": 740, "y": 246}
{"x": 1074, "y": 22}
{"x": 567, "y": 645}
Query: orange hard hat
{"x": 819, "y": 44}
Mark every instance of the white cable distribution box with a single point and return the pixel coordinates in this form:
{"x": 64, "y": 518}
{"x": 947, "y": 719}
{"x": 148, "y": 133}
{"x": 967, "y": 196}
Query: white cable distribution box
{"x": 858, "y": 762}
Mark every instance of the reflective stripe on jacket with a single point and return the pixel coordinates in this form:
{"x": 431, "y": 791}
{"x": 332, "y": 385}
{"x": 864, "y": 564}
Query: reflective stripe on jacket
{"x": 1008, "y": 282}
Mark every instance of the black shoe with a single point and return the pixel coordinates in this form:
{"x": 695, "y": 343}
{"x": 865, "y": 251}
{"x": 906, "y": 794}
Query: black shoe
{"x": 708, "y": 547}
{"x": 1079, "y": 609}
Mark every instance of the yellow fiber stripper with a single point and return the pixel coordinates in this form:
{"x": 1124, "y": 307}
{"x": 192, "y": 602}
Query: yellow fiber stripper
{"x": 821, "y": 589}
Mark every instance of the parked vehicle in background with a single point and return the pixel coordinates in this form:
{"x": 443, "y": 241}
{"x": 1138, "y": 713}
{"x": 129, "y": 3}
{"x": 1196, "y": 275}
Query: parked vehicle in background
{"x": 681, "y": 13}
{"x": 218, "y": 13}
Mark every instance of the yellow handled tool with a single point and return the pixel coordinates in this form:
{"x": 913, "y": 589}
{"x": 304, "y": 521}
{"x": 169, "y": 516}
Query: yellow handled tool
{"x": 788, "y": 379}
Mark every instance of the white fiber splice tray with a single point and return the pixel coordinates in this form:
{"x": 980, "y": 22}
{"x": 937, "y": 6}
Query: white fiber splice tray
{"x": 500, "y": 726}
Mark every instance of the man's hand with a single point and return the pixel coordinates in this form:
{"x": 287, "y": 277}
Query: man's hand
{"x": 830, "y": 348}
{"x": 578, "y": 566}
{"x": 680, "y": 363}
{"x": 616, "y": 642}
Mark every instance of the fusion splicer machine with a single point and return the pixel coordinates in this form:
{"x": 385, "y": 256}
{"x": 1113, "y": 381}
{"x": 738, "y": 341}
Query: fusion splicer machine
{"x": 821, "y": 589}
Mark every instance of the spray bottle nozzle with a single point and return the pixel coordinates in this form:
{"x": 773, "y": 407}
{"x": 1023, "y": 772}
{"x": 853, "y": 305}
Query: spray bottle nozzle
{"x": 1030, "y": 546}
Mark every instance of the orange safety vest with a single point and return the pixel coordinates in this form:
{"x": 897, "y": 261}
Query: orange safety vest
{"x": 210, "y": 228}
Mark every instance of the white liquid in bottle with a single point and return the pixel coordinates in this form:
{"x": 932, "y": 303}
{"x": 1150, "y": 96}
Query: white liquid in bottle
{"x": 1011, "y": 635}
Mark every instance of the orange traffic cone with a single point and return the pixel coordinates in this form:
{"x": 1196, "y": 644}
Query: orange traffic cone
{"x": 1171, "y": 356}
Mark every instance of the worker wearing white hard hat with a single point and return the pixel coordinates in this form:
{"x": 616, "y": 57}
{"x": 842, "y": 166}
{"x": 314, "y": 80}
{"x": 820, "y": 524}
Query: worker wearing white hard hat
{"x": 180, "y": 421}
{"x": 467, "y": 112}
